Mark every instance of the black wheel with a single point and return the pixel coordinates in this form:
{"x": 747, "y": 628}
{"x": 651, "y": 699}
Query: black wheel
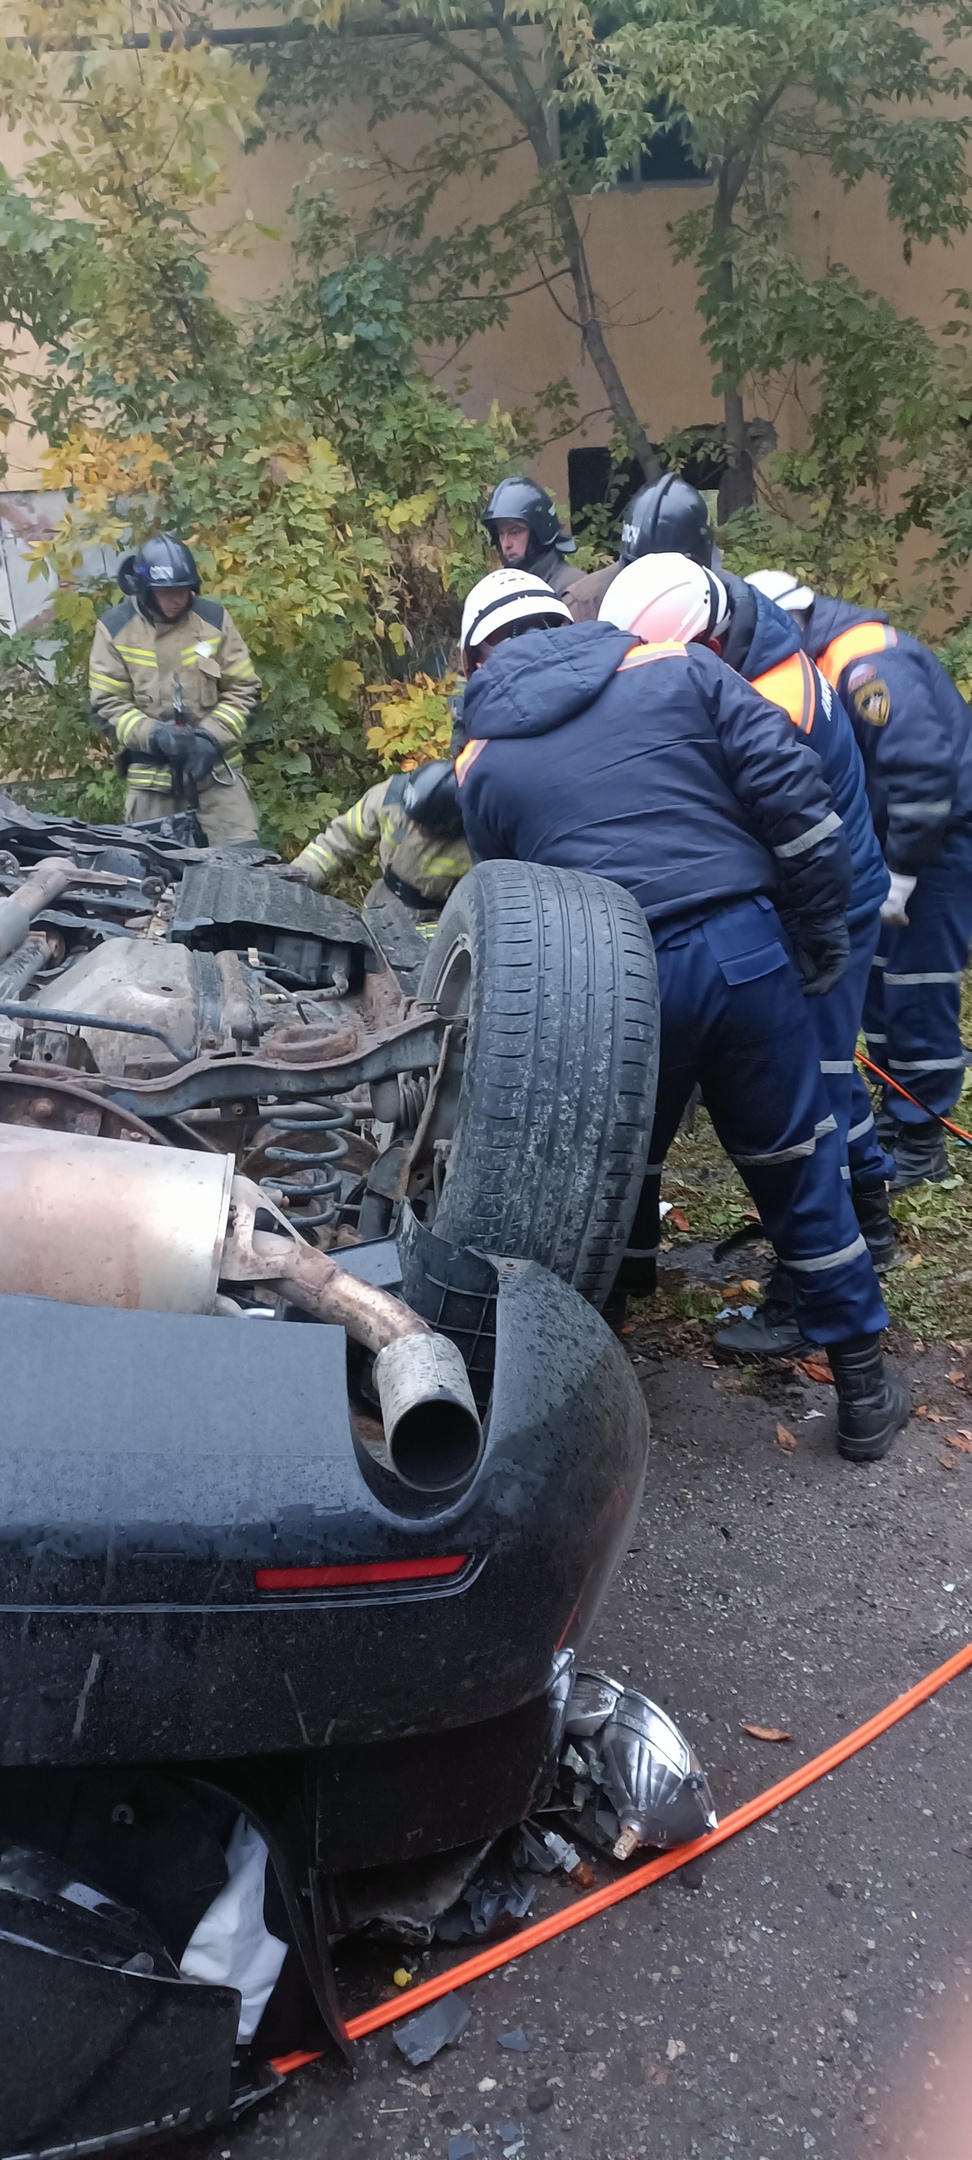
{"x": 553, "y": 1085}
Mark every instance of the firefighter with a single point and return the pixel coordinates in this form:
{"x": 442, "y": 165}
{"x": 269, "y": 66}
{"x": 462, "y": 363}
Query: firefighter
{"x": 524, "y": 528}
{"x": 655, "y": 766}
{"x": 669, "y": 596}
{"x": 667, "y": 518}
{"x": 915, "y": 734}
{"x": 415, "y": 822}
{"x": 173, "y": 687}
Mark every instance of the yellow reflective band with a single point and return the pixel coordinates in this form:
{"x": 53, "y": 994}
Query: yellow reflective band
{"x": 130, "y": 653}
{"x": 107, "y": 682}
{"x": 355, "y": 821}
{"x": 125, "y": 727}
{"x": 320, "y": 853}
{"x": 232, "y": 717}
{"x": 153, "y": 777}
{"x": 240, "y": 671}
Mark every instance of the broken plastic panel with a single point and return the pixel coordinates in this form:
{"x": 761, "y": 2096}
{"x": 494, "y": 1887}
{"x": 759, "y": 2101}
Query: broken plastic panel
{"x": 421, "y": 2037}
{"x": 648, "y": 1772}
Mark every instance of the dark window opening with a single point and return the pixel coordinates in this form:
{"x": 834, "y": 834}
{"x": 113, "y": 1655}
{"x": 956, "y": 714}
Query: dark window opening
{"x": 665, "y": 159}
{"x": 599, "y": 490}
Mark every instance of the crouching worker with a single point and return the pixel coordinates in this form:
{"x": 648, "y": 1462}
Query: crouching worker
{"x": 414, "y": 821}
{"x": 656, "y": 766}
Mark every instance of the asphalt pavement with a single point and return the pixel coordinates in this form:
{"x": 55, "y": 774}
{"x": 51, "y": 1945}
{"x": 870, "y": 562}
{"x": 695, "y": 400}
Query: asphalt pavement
{"x": 811, "y": 1995}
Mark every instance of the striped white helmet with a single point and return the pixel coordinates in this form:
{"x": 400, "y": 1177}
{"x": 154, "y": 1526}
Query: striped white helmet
{"x": 666, "y": 598}
{"x": 784, "y": 588}
{"x": 505, "y": 597}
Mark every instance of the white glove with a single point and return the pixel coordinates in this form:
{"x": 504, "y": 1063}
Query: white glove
{"x": 893, "y": 908}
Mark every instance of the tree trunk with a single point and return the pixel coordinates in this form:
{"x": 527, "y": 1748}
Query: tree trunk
{"x": 589, "y": 312}
{"x": 737, "y": 489}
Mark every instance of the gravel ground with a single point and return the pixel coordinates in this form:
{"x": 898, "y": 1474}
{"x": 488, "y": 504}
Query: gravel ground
{"x": 811, "y": 1994}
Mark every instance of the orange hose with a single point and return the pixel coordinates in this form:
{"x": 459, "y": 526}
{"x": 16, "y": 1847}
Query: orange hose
{"x": 544, "y": 1931}
{"x": 958, "y": 1130}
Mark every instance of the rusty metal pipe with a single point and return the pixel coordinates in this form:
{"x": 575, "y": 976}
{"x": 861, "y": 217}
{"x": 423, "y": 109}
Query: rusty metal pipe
{"x": 47, "y": 880}
{"x": 312, "y": 1280}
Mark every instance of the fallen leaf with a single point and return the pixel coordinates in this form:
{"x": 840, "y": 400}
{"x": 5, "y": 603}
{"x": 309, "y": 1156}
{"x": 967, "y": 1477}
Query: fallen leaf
{"x": 750, "y": 1286}
{"x": 765, "y": 1732}
{"x": 785, "y": 1439}
{"x": 815, "y": 1370}
{"x": 961, "y": 1440}
{"x": 922, "y": 1410}
{"x": 957, "y": 1378}
{"x": 947, "y": 1462}
{"x": 679, "y": 1220}
{"x": 915, "y": 1261}
{"x": 961, "y": 1347}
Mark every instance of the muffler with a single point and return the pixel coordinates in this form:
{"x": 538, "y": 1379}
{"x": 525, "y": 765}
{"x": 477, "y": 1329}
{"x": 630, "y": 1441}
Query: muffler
{"x": 106, "y": 1222}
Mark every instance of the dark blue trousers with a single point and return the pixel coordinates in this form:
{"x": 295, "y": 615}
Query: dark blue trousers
{"x": 735, "y": 1020}
{"x": 911, "y": 1014}
{"x": 837, "y": 1021}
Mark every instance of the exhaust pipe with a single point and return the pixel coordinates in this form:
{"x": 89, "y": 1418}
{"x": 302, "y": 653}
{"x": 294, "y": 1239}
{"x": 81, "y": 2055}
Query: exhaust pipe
{"x": 433, "y": 1433}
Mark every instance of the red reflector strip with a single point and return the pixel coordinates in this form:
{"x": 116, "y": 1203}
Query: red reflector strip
{"x": 365, "y": 1571}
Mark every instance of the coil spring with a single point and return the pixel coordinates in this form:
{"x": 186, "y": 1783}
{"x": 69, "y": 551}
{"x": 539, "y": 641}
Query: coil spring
{"x": 320, "y": 1181}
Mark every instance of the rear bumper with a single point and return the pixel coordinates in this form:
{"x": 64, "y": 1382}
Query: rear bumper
{"x": 152, "y": 1464}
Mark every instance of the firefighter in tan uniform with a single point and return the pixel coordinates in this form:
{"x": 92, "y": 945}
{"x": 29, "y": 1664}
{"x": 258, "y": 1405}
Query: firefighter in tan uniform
{"x": 415, "y": 822}
{"x": 173, "y": 686}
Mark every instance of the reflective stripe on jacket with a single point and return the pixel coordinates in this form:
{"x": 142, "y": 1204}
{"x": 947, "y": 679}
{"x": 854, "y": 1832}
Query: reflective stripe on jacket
{"x": 133, "y": 667}
{"x": 377, "y": 820}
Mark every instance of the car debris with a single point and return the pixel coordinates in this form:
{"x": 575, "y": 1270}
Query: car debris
{"x": 515, "y": 2042}
{"x": 632, "y": 1754}
{"x": 423, "y": 2036}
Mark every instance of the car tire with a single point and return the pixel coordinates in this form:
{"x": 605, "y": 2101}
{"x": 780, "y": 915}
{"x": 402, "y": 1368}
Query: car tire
{"x": 555, "y": 974}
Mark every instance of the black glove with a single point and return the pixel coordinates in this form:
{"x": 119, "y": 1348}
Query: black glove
{"x": 170, "y": 742}
{"x": 822, "y": 949}
{"x": 201, "y": 754}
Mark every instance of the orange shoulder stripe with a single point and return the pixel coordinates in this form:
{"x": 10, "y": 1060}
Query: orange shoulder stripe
{"x": 469, "y": 755}
{"x": 640, "y": 654}
{"x": 791, "y": 684}
{"x": 858, "y": 644}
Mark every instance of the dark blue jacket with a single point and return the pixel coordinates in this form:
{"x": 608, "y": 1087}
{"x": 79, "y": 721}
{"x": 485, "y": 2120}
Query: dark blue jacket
{"x": 913, "y": 727}
{"x": 652, "y": 765}
{"x": 763, "y": 644}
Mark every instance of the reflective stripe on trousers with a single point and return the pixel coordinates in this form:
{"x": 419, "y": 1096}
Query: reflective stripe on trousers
{"x": 911, "y": 1013}
{"x": 734, "y": 1018}
{"x": 836, "y": 1021}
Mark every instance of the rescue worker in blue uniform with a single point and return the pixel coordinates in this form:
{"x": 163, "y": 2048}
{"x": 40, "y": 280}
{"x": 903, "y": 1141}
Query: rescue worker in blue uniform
{"x": 915, "y": 735}
{"x": 656, "y": 766}
{"x": 671, "y": 596}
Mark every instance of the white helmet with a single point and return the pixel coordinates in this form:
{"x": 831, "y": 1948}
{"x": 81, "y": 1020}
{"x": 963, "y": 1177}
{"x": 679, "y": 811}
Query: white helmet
{"x": 784, "y": 588}
{"x": 667, "y": 598}
{"x": 509, "y": 596}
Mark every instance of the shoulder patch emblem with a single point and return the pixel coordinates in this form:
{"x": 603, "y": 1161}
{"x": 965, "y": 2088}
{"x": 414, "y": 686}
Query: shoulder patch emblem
{"x": 873, "y": 702}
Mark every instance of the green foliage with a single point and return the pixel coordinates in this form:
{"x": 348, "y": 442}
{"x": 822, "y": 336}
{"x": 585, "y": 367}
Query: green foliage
{"x": 329, "y": 488}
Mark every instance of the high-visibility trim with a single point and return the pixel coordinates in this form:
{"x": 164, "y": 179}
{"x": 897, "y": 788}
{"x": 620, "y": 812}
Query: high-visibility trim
{"x": 114, "y": 683}
{"x": 230, "y": 715}
{"x": 154, "y": 778}
{"x": 873, "y": 1036}
{"x": 468, "y": 756}
{"x": 241, "y": 671}
{"x": 792, "y": 1154}
{"x": 836, "y": 1065}
{"x": 920, "y": 1065}
{"x": 126, "y": 725}
{"x": 861, "y": 643}
{"x": 826, "y": 1260}
{"x": 809, "y": 838}
{"x": 321, "y": 854}
{"x": 907, "y": 980}
{"x": 793, "y": 685}
{"x": 141, "y": 657}
{"x": 357, "y": 1573}
{"x": 857, "y": 1132}
{"x": 921, "y": 810}
{"x": 845, "y": 1173}
{"x": 641, "y": 654}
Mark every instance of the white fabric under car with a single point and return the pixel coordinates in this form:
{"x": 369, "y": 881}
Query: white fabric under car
{"x": 232, "y": 1945}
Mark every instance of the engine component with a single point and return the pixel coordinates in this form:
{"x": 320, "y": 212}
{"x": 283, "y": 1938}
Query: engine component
{"x": 222, "y": 903}
{"x": 47, "y": 881}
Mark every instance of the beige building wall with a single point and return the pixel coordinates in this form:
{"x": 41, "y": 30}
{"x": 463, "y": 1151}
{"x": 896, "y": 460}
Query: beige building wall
{"x": 654, "y": 329}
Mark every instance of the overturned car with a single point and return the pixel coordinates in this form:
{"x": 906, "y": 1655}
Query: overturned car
{"x": 317, "y": 1456}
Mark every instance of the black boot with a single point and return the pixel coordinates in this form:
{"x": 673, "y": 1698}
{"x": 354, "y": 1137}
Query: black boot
{"x": 772, "y": 1331}
{"x": 919, "y": 1151}
{"x": 872, "y": 1404}
{"x": 877, "y": 1228}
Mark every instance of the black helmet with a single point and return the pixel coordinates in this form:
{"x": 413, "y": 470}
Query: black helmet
{"x": 431, "y": 797}
{"x": 162, "y": 564}
{"x": 667, "y": 518}
{"x": 530, "y": 505}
